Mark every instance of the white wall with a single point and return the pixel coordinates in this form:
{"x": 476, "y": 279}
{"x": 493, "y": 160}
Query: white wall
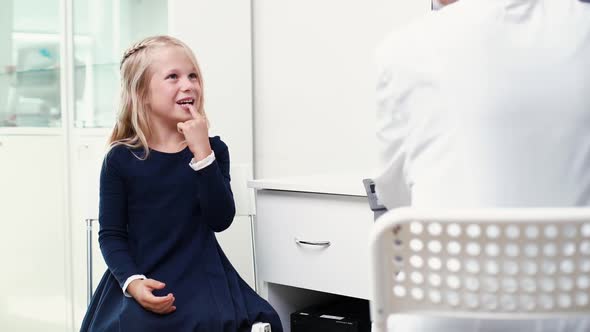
{"x": 219, "y": 34}
{"x": 314, "y": 80}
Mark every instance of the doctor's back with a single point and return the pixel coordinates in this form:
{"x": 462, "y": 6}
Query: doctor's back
{"x": 487, "y": 103}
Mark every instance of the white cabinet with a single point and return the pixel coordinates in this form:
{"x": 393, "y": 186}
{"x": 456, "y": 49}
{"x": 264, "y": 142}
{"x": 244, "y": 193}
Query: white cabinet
{"x": 87, "y": 152}
{"x": 311, "y": 241}
{"x": 33, "y": 237}
{"x": 314, "y": 241}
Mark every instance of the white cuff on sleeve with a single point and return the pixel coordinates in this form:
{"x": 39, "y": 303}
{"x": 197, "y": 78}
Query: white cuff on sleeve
{"x": 198, "y": 165}
{"x": 129, "y": 280}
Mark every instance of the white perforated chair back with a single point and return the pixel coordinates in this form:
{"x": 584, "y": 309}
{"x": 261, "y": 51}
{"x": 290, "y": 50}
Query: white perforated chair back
{"x": 491, "y": 263}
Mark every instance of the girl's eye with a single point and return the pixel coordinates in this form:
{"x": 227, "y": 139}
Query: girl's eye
{"x": 172, "y": 76}
{"x": 192, "y": 76}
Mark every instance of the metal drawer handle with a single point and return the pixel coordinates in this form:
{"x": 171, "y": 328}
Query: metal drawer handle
{"x": 313, "y": 243}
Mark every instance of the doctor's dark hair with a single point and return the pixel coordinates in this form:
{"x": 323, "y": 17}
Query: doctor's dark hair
{"x": 133, "y": 126}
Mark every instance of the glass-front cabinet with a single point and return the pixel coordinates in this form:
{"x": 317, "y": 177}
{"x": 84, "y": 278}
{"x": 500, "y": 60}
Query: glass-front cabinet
{"x": 31, "y": 42}
{"x": 30, "y": 47}
{"x": 34, "y": 279}
{"x": 102, "y": 32}
{"x": 59, "y": 87}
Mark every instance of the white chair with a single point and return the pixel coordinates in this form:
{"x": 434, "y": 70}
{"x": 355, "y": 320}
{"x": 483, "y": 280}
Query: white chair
{"x": 89, "y": 267}
{"x": 245, "y": 206}
{"x": 489, "y": 263}
{"x": 241, "y": 173}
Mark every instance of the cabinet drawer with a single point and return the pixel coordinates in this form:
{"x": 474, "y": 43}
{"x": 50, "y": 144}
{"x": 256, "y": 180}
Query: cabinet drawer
{"x": 284, "y": 218}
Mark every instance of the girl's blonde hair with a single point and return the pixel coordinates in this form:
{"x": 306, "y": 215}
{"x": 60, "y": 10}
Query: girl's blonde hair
{"x": 133, "y": 126}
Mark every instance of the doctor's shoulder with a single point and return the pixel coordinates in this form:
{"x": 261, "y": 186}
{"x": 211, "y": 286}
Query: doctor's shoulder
{"x": 401, "y": 47}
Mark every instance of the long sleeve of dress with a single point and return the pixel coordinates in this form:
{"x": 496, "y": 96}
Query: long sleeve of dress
{"x": 215, "y": 195}
{"x": 113, "y": 236}
{"x": 158, "y": 217}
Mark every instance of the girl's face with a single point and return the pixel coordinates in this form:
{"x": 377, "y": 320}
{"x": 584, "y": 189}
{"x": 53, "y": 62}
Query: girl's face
{"x": 174, "y": 84}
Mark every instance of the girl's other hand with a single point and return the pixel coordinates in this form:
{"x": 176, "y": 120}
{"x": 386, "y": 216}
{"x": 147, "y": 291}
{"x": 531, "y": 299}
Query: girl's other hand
{"x": 141, "y": 291}
{"x": 196, "y": 133}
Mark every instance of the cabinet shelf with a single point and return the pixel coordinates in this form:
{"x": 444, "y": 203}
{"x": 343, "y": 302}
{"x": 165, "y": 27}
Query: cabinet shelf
{"x": 34, "y": 96}
{"x": 56, "y": 69}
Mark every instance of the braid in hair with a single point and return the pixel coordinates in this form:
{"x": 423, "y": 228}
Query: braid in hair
{"x": 134, "y": 49}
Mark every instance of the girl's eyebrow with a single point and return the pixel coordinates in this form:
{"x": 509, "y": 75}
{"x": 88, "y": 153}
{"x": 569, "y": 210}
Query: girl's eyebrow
{"x": 172, "y": 70}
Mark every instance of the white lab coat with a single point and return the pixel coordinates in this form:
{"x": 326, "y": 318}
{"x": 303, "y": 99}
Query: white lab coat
{"x": 486, "y": 103}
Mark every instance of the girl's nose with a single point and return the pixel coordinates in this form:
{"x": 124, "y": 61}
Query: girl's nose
{"x": 186, "y": 84}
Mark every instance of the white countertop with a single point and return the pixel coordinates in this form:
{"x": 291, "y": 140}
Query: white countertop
{"x": 351, "y": 185}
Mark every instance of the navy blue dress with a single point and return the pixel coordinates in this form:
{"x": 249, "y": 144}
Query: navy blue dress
{"x": 158, "y": 217}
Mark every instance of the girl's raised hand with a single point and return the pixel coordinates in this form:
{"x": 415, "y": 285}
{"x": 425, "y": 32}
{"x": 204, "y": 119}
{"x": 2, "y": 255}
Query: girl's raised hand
{"x": 141, "y": 291}
{"x": 196, "y": 133}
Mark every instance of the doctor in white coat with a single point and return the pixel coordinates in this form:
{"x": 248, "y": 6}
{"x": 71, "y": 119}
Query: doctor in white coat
{"x": 486, "y": 103}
